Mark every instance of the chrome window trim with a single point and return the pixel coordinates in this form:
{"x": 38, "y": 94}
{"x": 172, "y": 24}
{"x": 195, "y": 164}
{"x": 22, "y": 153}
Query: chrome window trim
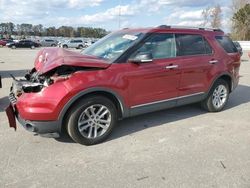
{"x": 166, "y": 100}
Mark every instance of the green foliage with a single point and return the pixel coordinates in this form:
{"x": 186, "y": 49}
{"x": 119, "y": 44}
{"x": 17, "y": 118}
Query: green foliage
{"x": 242, "y": 16}
{"x": 26, "y": 29}
{"x": 241, "y": 23}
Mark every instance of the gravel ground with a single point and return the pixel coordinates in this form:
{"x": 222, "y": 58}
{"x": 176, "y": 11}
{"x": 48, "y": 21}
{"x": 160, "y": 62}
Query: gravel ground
{"x": 180, "y": 147}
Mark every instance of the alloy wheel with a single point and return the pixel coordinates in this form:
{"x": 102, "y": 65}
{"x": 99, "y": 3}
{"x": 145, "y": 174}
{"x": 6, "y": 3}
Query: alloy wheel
{"x": 219, "y": 97}
{"x": 94, "y": 121}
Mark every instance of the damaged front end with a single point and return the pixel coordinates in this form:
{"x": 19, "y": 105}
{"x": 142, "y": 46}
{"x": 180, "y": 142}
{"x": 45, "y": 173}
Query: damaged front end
{"x": 34, "y": 98}
{"x": 34, "y": 82}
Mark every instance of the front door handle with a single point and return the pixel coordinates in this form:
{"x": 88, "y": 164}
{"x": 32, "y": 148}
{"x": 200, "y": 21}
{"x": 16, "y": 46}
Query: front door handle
{"x": 213, "y": 62}
{"x": 172, "y": 67}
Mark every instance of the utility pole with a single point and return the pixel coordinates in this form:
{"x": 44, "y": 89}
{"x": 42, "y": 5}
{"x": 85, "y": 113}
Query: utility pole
{"x": 119, "y": 15}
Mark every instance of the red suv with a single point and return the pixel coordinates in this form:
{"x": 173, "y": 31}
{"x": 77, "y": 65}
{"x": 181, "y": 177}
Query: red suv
{"x": 127, "y": 73}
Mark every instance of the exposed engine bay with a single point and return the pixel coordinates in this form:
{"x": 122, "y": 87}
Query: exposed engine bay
{"x": 35, "y": 82}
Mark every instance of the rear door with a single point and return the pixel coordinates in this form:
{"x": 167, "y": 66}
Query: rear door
{"x": 47, "y": 42}
{"x": 195, "y": 59}
{"x": 72, "y": 44}
{"x": 20, "y": 44}
{"x": 27, "y": 43}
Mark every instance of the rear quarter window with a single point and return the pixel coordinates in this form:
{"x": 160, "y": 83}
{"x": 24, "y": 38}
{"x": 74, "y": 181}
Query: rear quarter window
{"x": 227, "y": 44}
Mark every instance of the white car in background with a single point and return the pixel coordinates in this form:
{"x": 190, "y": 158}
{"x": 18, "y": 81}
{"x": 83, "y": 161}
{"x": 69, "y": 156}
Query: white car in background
{"x": 49, "y": 43}
{"x": 89, "y": 43}
{"x": 73, "y": 43}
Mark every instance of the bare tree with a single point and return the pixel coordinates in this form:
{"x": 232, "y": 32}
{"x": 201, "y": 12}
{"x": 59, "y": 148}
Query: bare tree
{"x": 216, "y": 16}
{"x": 212, "y": 17}
{"x": 206, "y": 17}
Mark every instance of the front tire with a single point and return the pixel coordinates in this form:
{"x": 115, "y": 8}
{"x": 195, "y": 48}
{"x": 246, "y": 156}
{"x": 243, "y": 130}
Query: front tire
{"x": 217, "y": 97}
{"x": 91, "y": 120}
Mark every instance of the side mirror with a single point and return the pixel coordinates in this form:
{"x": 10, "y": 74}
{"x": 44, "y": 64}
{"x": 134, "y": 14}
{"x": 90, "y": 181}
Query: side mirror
{"x": 142, "y": 58}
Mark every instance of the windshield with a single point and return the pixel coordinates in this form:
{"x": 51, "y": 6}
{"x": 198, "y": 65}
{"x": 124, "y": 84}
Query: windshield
{"x": 113, "y": 45}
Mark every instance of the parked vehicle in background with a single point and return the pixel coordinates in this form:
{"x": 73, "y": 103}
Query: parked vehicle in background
{"x": 238, "y": 46}
{"x": 73, "y": 43}
{"x": 23, "y": 44}
{"x": 49, "y": 43}
{"x": 88, "y": 43}
{"x": 3, "y": 42}
{"x": 126, "y": 73}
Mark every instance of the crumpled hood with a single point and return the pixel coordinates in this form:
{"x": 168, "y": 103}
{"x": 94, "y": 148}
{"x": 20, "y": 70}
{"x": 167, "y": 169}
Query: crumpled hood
{"x": 50, "y": 58}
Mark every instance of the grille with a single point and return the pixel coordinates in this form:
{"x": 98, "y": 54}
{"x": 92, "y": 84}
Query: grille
{"x": 12, "y": 98}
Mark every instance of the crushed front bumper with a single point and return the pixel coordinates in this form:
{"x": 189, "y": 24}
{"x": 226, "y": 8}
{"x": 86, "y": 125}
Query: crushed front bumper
{"x": 40, "y": 127}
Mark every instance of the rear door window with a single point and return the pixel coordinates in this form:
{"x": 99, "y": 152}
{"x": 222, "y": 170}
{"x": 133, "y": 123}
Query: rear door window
{"x": 190, "y": 44}
{"x": 227, "y": 44}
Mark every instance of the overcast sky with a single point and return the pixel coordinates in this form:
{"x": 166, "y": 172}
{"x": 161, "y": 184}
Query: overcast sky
{"x": 104, "y": 13}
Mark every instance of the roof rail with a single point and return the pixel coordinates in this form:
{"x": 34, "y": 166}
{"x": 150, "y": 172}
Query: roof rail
{"x": 164, "y": 26}
{"x": 189, "y": 27}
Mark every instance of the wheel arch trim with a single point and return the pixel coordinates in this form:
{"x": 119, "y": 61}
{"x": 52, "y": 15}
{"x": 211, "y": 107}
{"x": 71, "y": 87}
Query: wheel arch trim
{"x": 218, "y": 77}
{"x": 124, "y": 110}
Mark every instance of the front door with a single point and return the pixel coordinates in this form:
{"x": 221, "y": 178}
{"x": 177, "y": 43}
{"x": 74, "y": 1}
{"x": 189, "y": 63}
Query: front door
{"x": 154, "y": 84}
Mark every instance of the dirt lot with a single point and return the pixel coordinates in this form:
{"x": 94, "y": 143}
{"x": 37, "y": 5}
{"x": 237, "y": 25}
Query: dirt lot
{"x": 181, "y": 147}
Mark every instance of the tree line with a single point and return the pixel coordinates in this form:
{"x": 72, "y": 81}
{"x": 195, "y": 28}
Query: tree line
{"x": 26, "y": 29}
{"x": 239, "y": 20}
{"x": 212, "y": 17}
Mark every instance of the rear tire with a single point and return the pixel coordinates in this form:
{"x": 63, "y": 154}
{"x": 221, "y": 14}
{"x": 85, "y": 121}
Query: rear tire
{"x": 65, "y": 46}
{"x": 91, "y": 120}
{"x": 217, "y": 97}
{"x": 80, "y": 47}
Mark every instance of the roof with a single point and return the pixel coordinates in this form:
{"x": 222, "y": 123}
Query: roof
{"x": 176, "y": 29}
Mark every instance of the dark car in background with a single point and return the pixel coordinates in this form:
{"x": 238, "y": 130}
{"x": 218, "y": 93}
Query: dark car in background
{"x": 49, "y": 43}
{"x": 23, "y": 44}
{"x": 238, "y": 46}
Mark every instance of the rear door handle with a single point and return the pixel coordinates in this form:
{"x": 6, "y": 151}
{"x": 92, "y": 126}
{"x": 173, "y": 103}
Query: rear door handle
{"x": 172, "y": 67}
{"x": 213, "y": 62}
